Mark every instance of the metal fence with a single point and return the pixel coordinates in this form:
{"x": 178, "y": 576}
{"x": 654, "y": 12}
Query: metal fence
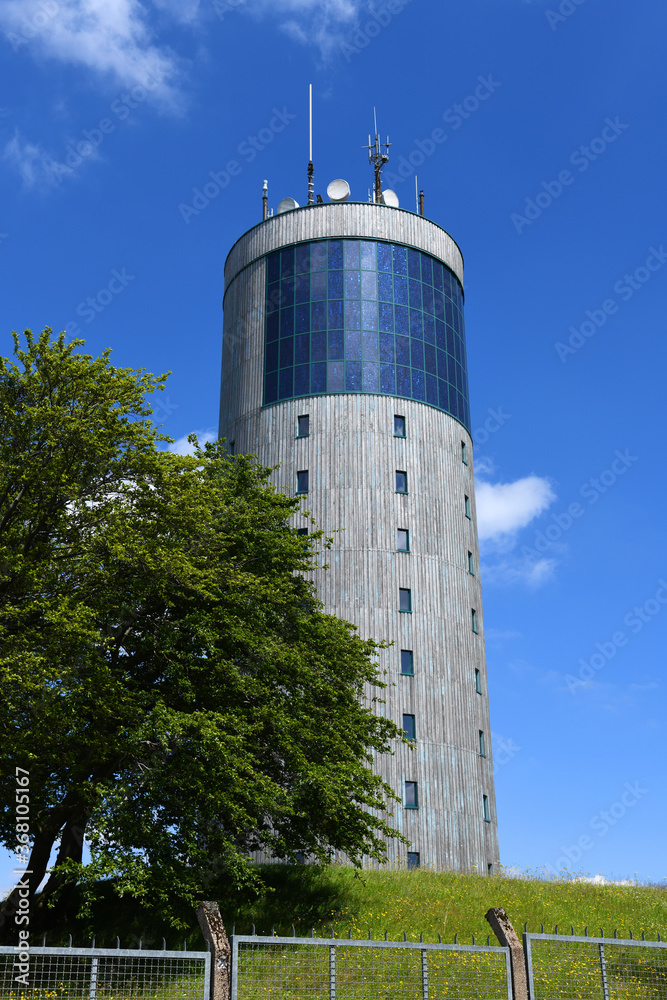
{"x": 286, "y": 968}
{"x": 586, "y": 968}
{"x": 105, "y": 974}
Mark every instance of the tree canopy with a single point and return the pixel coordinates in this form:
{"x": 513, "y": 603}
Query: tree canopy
{"x": 168, "y": 676}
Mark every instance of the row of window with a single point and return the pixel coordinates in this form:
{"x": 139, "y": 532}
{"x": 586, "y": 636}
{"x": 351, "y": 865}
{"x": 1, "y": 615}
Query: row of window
{"x": 408, "y": 668}
{"x": 411, "y": 800}
{"x": 405, "y": 605}
{"x": 410, "y": 730}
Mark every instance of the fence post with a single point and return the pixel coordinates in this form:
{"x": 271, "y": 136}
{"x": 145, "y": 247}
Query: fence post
{"x": 508, "y": 938}
{"x": 603, "y": 970}
{"x": 213, "y": 929}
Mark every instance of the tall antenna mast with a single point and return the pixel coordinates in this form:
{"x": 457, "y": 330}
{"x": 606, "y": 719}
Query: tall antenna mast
{"x": 377, "y": 158}
{"x": 311, "y": 168}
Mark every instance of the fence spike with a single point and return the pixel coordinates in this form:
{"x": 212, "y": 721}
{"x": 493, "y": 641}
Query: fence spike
{"x": 421, "y": 938}
{"x": 117, "y": 941}
{"x": 541, "y": 928}
{"x": 473, "y": 940}
{"x": 233, "y": 929}
{"x": 253, "y": 930}
{"x": 185, "y": 944}
{"x": 525, "y": 927}
{"x": 631, "y": 937}
{"x": 293, "y": 931}
{"x": 385, "y": 935}
{"x": 369, "y": 933}
{"x": 615, "y": 934}
{"x": 488, "y": 940}
{"x": 572, "y": 930}
{"x": 349, "y": 935}
{"x": 643, "y": 936}
{"x": 439, "y": 939}
{"x": 312, "y": 932}
{"x": 141, "y": 942}
{"x": 659, "y": 938}
{"x": 92, "y": 943}
{"x": 556, "y": 929}
{"x": 586, "y": 931}
{"x": 456, "y": 937}
{"x": 43, "y": 940}
{"x": 273, "y": 931}
{"x": 70, "y": 940}
{"x": 405, "y": 937}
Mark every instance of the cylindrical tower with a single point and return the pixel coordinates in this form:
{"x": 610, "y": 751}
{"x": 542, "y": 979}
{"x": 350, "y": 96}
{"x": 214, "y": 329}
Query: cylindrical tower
{"x": 344, "y": 363}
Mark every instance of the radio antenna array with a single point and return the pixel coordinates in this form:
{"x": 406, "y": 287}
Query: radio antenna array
{"x": 378, "y": 158}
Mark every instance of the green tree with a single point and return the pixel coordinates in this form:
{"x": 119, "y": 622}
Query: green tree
{"x": 168, "y": 676}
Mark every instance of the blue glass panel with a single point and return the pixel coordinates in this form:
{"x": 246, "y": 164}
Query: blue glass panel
{"x": 335, "y": 376}
{"x": 335, "y": 284}
{"x": 369, "y": 315}
{"x": 457, "y": 349}
{"x": 427, "y": 270}
{"x": 271, "y": 387}
{"x": 302, "y": 318}
{"x": 438, "y": 305}
{"x": 427, "y": 296}
{"x": 370, "y": 376}
{"x": 385, "y": 290}
{"x": 442, "y": 364}
{"x": 353, "y": 315}
{"x": 384, "y": 257}
{"x": 432, "y": 390}
{"x": 450, "y": 340}
{"x": 414, "y": 264}
{"x": 335, "y": 253}
{"x": 440, "y": 338}
{"x": 272, "y": 356}
{"x": 303, "y": 258}
{"x": 401, "y": 319}
{"x": 285, "y": 383}
{"x": 318, "y": 378}
{"x": 443, "y": 395}
{"x": 353, "y": 345}
{"x": 448, "y": 312}
{"x": 451, "y": 370}
{"x": 318, "y": 316}
{"x": 459, "y": 383}
{"x": 318, "y": 285}
{"x": 387, "y": 379}
{"x": 401, "y": 290}
{"x": 273, "y": 297}
{"x": 335, "y": 314}
{"x": 417, "y": 353}
{"x": 286, "y": 352}
{"x": 429, "y": 329}
{"x": 369, "y": 288}
{"x": 287, "y": 322}
{"x": 302, "y": 350}
{"x": 416, "y": 326}
{"x": 437, "y": 275}
{"x": 273, "y": 266}
{"x": 400, "y": 261}
{"x": 402, "y": 351}
{"x": 447, "y": 283}
{"x": 402, "y": 381}
{"x": 387, "y": 348}
{"x": 272, "y": 326}
{"x": 417, "y": 385}
{"x": 302, "y": 288}
{"x": 318, "y": 346}
{"x": 368, "y": 255}
{"x": 352, "y": 284}
{"x": 302, "y": 380}
{"x": 287, "y": 262}
{"x": 286, "y": 292}
{"x": 455, "y": 403}
{"x": 353, "y": 376}
{"x": 370, "y": 341}
{"x": 318, "y": 256}
{"x": 351, "y": 253}
{"x": 335, "y": 345}
{"x": 429, "y": 358}
{"x": 415, "y": 293}
{"x": 386, "y": 317}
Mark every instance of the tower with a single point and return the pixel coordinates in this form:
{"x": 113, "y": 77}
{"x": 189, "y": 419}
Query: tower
{"x": 344, "y": 363}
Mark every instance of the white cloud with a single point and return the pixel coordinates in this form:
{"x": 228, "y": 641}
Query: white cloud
{"x": 110, "y": 37}
{"x": 309, "y": 22}
{"x": 518, "y": 570}
{"x": 183, "y": 447}
{"x": 504, "y": 508}
{"x": 37, "y": 167}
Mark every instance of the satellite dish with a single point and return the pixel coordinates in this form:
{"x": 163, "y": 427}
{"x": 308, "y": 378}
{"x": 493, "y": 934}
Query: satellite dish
{"x": 286, "y": 205}
{"x": 390, "y": 198}
{"x": 338, "y": 190}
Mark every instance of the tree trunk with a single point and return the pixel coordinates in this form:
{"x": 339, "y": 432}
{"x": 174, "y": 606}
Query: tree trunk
{"x": 45, "y": 836}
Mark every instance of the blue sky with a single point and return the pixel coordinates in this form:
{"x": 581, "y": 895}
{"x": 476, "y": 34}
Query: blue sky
{"x": 538, "y": 133}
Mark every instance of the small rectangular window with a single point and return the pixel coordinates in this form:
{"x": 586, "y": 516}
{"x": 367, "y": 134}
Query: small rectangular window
{"x": 473, "y": 618}
{"x": 411, "y": 797}
{"x": 467, "y": 506}
{"x": 485, "y": 806}
{"x": 303, "y": 426}
{"x": 464, "y": 453}
{"x": 405, "y": 599}
{"x": 401, "y": 482}
{"x": 478, "y": 682}
{"x": 407, "y": 665}
{"x": 482, "y": 744}
{"x": 399, "y": 427}
{"x": 403, "y": 540}
{"x": 413, "y": 859}
{"x": 471, "y": 568}
{"x": 489, "y": 868}
{"x": 409, "y": 727}
{"x": 232, "y": 448}
{"x": 302, "y": 481}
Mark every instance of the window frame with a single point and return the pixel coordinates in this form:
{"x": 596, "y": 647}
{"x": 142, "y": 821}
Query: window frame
{"x": 471, "y": 571}
{"x": 411, "y": 671}
{"x": 412, "y": 864}
{"x": 408, "y": 591}
{"x": 464, "y": 453}
{"x": 406, "y": 531}
{"x": 413, "y": 785}
{"x": 401, "y": 472}
{"x": 478, "y": 680}
{"x": 473, "y": 621}
{"x": 303, "y": 416}
{"x": 306, "y": 473}
{"x": 412, "y": 727}
{"x": 482, "y": 743}
{"x": 466, "y": 507}
{"x": 486, "y": 809}
{"x": 397, "y": 416}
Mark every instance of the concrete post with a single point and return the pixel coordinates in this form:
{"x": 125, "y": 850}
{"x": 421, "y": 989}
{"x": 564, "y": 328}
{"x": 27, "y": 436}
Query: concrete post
{"x": 508, "y": 938}
{"x": 213, "y": 929}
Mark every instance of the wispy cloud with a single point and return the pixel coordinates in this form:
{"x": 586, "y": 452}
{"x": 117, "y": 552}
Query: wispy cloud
{"x": 310, "y": 22}
{"x": 183, "y": 447}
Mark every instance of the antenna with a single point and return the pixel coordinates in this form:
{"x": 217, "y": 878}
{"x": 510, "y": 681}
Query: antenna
{"x": 416, "y": 195}
{"x": 311, "y": 168}
{"x": 265, "y": 199}
{"x": 378, "y": 159}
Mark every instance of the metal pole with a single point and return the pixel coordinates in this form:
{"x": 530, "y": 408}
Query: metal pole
{"x": 603, "y": 970}
{"x": 310, "y": 145}
{"x": 92, "y": 993}
{"x": 424, "y": 977}
{"x": 421, "y": 207}
{"x": 265, "y": 200}
{"x": 332, "y": 972}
